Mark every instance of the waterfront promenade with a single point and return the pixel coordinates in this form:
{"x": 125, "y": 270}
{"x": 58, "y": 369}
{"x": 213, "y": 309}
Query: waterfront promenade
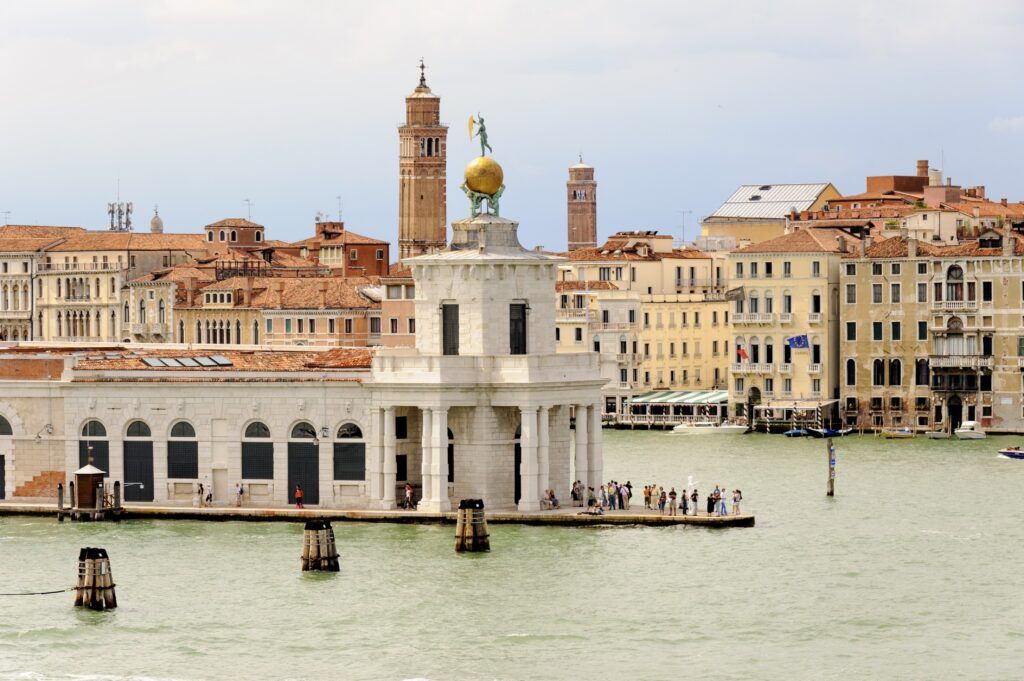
{"x": 568, "y": 517}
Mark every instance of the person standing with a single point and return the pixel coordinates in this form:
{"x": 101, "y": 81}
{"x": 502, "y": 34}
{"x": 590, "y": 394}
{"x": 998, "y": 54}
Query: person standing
{"x": 711, "y": 503}
{"x": 684, "y": 507}
{"x": 723, "y": 508}
{"x": 298, "y": 496}
{"x": 695, "y": 500}
{"x": 647, "y": 496}
{"x": 201, "y": 495}
{"x": 672, "y": 501}
{"x": 737, "y": 497}
{"x": 239, "y": 492}
{"x": 662, "y": 500}
{"x": 629, "y": 493}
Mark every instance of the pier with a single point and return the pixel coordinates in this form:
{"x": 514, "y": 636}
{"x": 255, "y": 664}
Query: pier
{"x": 565, "y": 517}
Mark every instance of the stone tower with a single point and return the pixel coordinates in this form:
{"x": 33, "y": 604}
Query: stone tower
{"x": 581, "y": 198}
{"x": 421, "y": 169}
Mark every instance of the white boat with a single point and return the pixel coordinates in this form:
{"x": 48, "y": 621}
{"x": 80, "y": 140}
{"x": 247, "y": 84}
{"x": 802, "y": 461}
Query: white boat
{"x": 709, "y": 427}
{"x": 970, "y": 430}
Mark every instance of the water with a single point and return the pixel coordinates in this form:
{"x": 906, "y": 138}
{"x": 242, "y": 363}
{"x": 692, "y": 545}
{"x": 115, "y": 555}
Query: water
{"x": 913, "y": 571}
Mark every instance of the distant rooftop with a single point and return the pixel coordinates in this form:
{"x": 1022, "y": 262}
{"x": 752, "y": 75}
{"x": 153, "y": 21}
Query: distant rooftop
{"x": 767, "y": 201}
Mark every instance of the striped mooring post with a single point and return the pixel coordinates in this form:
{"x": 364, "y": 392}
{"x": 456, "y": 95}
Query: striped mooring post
{"x": 318, "y": 548}
{"x": 471, "y": 527}
{"x": 95, "y": 586}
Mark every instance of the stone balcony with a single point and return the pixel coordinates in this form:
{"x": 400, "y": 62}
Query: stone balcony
{"x": 814, "y": 318}
{"x": 572, "y": 314}
{"x": 613, "y": 326}
{"x": 960, "y": 362}
{"x": 786, "y": 368}
{"x": 814, "y": 369}
{"x": 752, "y": 318}
{"x": 786, "y": 318}
{"x": 406, "y": 366}
{"x": 626, "y": 357}
{"x": 955, "y": 305}
{"x": 61, "y": 267}
{"x": 751, "y": 368}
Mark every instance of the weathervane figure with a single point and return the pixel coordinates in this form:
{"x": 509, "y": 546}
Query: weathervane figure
{"x": 481, "y": 133}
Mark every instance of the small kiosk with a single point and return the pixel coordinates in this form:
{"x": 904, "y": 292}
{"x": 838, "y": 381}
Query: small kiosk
{"x": 88, "y": 498}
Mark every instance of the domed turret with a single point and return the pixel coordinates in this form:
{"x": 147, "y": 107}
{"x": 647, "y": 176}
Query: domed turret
{"x": 156, "y": 225}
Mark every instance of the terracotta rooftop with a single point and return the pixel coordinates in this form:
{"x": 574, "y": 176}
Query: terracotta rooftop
{"x": 586, "y": 285}
{"x": 130, "y": 241}
{"x": 9, "y": 244}
{"x": 339, "y": 239}
{"x": 988, "y": 209}
{"x": 300, "y": 293}
{"x": 38, "y": 231}
{"x": 897, "y": 247}
{"x": 233, "y": 222}
{"x": 816, "y": 240}
{"x": 239, "y": 360}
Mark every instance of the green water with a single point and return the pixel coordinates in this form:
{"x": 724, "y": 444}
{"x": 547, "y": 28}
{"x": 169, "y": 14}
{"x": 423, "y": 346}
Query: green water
{"x": 913, "y": 571}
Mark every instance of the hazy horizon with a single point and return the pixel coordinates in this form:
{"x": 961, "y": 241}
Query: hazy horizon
{"x": 197, "y": 106}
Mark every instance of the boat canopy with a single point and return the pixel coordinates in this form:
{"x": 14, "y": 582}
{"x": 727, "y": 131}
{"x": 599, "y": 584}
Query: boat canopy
{"x": 682, "y": 397}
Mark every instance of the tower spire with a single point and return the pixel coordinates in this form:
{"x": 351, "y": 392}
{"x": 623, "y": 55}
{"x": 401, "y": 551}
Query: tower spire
{"x": 423, "y": 73}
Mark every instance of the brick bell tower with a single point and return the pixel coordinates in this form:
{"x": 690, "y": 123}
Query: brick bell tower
{"x": 581, "y": 197}
{"x": 422, "y": 167}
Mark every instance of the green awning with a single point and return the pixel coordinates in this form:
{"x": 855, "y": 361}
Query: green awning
{"x": 682, "y": 397}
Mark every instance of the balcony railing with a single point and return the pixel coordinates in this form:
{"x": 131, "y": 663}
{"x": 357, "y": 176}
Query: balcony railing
{"x": 624, "y": 357}
{"x": 960, "y": 362}
{"x": 49, "y": 267}
{"x": 786, "y": 318}
{"x": 690, "y": 282}
{"x": 814, "y": 368}
{"x": 574, "y": 314}
{"x": 751, "y": 368}
{"x": 613, "y": 326}
{"x": 814, "y": 318}
{"x": 786, "y": 368}
{"x": 753, "y": 318}
{"x": 955, "y": 305}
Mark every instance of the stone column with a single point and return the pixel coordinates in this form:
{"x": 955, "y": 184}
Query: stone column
{"x": 161, "y": 493}
{"x": 427, "y": 446}
{"x": 374, "y": 462}
{"x": 596, "y": 439}
{"x": 439, "y": 464}
{"x": 390, "y": 464}
{"x": 543, "y": 451}
{"x": 582, "y": 447}
{"x": 528, "y": 499}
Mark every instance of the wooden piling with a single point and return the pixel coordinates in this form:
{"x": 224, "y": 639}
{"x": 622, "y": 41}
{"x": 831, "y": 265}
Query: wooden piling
{"x": 471, "y": 527}
{"x": 94, "y": 588}
{"x": 98, "y": 513}
{"x": 830, "y": 454}
{"x": 319, "y": 550}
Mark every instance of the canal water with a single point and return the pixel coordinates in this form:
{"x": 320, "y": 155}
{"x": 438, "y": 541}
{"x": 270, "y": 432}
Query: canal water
{"x": 913, "y": 571}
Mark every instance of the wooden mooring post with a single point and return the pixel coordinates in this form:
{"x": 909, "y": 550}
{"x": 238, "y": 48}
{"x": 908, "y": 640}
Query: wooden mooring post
{"x": 319, "y": 551}
{"x": 95, "y": 586}
{"x": 471, "y": 527}
{"x": 830, "y": 453}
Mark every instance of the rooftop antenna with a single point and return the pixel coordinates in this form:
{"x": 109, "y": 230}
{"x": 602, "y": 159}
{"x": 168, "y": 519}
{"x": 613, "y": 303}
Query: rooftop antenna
{"x": 248, "y": 209}
{"x": 339, "y": 207}
{"x": 6, "y": 213}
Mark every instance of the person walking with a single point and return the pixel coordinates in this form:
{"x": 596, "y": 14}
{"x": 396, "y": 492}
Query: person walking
{"x": 238, "y": 494}
{"x": 672, "y": 501}
{"x": 201, "y": 494}
{"x": 695, "y": 500}
{"x": 409, "y": 505}
{"x": 298, "y": 496}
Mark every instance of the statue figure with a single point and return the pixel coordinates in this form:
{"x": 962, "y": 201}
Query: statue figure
{"x": 482, "y": 134}
{"x": 476, "y": 201}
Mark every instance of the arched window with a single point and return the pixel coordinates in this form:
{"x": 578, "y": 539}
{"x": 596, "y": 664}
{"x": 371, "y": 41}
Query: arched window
{"x": 851, "y": 372}
{"x": 160, "y": 312}
{"x": 257, "y": 429}
{"x": 209, "y": 235}
{"x": 142, "y": 312}
{"x": 303, "y": 430}
{"x": 258, "y": 455}
{"x": 259, "y": 236}
{"x": 350, "y": 453}
{"x": 878, "y": 372}
{"x": 921, "y": 372}
{"x": 238, "y": 331}
{"x": 5, "y": 427}
{"x": 199, "y": 331}
{"x": 93, "y": 448}
{"x": 183, "y": 452}
{"x": 181, "y": 331}
{"x": 895, "y": 372}
{"x": 138, "y": 429}
{"x": 234, "y": 235}
{"x": 256, "y": 333}
{"x": 127, "y": 315}
{"x": 222, "y": 235}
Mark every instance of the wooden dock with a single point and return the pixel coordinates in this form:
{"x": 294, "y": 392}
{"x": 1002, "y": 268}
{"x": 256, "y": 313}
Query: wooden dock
{"x": 566, "y": 517}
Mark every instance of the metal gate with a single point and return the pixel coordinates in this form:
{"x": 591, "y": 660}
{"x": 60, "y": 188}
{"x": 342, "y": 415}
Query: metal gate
{"x": 138, "y": 471}
{"x": 3, "y": 479}
{"x": 304, "y": 469}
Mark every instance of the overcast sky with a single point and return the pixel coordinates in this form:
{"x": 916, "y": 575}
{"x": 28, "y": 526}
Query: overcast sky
{"x": 198, "y": 105}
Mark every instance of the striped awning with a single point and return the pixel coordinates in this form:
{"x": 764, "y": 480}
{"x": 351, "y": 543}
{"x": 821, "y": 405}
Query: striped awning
{"x": 682, "y": 397}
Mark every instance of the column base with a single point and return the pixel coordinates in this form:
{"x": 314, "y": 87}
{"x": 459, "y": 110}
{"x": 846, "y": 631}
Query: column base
{"x": 386, "y": 505}
{"x": 528, "y": 506}
{"x": 431, "y": 506}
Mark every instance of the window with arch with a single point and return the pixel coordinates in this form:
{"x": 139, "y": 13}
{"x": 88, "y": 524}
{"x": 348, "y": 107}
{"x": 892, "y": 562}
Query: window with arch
{"x": 222, "y": 235}
{"x": 259, "y": 236}
{"x": 5, "y": 427}
{"x": 138, "y": 429}
{"x": 257, "y": 453}
{"x": 209, "y": 235}
{"x": 851, "y": 372}
{"x": 303, "y": 431}
{"x": 181, "y": 331}
{"x": 183, "y": 452}
{"x": 127, "y": 312}
{"x": 234, "y": 235}
{"x": 160, "y": 312}
{"x": 256, "y": 333}
{"x": 921, "y": 372}
{"x": 878, "y": 372}
{"x": 93, "y": 447}
{"x": 349, "y": 453}
{"x": 895, "y": 372}
{"x": 142, "y": 312}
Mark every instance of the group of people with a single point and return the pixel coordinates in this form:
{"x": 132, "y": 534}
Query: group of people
{"x": 616, "y": 496}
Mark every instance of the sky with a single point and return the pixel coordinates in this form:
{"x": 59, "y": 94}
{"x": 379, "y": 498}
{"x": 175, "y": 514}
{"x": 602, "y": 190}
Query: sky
{"x": 198, "y": 105}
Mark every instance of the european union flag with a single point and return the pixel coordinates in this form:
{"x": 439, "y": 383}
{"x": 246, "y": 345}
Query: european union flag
{"x": 798, "y": 342}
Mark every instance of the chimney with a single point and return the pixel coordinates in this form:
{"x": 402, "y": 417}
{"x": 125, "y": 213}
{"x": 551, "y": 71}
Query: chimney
{"x": 321, "y": 288}
{"x": 911, "y": 247}
{"x": 190, "y": 290}
{"x": 1009, "y": 245}
{"x": 922, "y": 168}
{"x": 904, "y": 232}
{"x": 279, "y": 290}
{"x": 1002, "y": 201}
{"x": 841, "y": 243}
{"x": 247, "y": 292}
{"x": 979, "y": 191}
{"x": 863, "y": 247}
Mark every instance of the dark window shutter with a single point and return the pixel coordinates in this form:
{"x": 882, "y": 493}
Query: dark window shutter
{"x": 258, "y": 460}
{"x": 450, "y": 329}
{"x": 349, "y": 461}
{"x": 517, "y": 328}
{"x": 183, "y": 460}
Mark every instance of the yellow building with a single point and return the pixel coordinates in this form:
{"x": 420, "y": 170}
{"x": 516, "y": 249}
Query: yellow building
{"x": 756, "y": 213}
{"x": 783, "y": 326}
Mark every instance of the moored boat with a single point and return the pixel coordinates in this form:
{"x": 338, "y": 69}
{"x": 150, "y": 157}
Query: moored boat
{"x": 898, "y": 433}
{"x": 710, "y": 427}
{"x": 796, "y": 432}
{"x": 829, "y": 432}
{"x": 970, "y": 430}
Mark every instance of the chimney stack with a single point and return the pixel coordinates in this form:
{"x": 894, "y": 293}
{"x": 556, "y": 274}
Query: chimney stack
{"x": 922, "y": 168}
{"x": 911, "y": 247}
{"x": 190, "y": 290}
{"x": 247, "y": 294}
{"x": 841, "y": 243}
{"x": 1009, "y": 245}
{"x": 279, "y": 290}
{"x": 1002, "y": 201}
{"x": 321, "y": 288}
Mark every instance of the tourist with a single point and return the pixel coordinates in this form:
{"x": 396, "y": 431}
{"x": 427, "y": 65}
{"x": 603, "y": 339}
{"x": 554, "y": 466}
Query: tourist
{"x": 672, "y": 501}
{"x": 238, "y": 494}
{"x": 298, "y": 496}
{"x": 722, "y": 506}
{"x": 694, "y": 499}
{"x": 200, "y": 495}
{"x": 647, "y": 496}
{"x": 209, "y": 496}
{"x": 609, "y": 495}
{"x": 737, "y": 497}
{"x": 662, "y": 499}
{"x": 574, "y": 493}
{"x": 624, "y": 493}
{"x": 684, "y": 506}
{"x": 554, "y": 499}
{"x": 409, "y": 503}
{"x": 591, "y": 498}
{"x": 602, "y": 496}
{"x": 711, "y": 503}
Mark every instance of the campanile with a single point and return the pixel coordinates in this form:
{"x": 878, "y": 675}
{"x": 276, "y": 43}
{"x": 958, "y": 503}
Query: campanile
{"x": 421, "y": 170}
{"x": 581, "y": 198}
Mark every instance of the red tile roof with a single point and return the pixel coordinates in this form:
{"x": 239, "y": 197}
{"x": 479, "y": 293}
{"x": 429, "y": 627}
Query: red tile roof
{"x": 241, "y": 360}
{"x": 587, "y": 285}
{"x": 232, "y": 222}
{"x": 816, "y": 240}
{"x": 129, "y": 241}
{"x": 299, "y": 293}
{"x": 38, "y": 231}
